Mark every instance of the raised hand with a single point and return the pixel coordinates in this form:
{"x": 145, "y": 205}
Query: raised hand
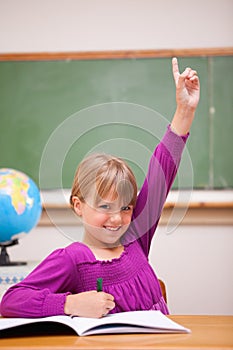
{"x": 187, "y": 98}
{"x": 187, "y": 86}
{"x": 89, "y": 304}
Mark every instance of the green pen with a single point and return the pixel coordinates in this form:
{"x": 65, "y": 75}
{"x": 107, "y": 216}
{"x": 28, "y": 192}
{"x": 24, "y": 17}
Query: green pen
{"x": 99, "y": 286}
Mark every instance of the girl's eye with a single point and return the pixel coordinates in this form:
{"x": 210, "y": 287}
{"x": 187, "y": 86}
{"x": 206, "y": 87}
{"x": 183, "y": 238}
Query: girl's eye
{"x": 104, "y": 206}
{"x": 126, "y": 208}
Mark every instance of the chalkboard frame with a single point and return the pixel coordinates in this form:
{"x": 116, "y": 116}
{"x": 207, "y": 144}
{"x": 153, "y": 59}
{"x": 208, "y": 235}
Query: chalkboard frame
{"x": 95, "y": 55}
{"x": 108, "y": 55}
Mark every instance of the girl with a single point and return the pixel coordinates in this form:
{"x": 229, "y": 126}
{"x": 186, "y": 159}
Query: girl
{"x": 118, "y": 229}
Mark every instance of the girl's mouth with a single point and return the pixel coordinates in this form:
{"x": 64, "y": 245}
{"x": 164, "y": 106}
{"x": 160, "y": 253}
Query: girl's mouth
{"x": 112, "y": 228}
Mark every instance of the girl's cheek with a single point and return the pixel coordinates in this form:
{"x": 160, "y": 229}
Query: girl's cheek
{"x": 101, "y": 217}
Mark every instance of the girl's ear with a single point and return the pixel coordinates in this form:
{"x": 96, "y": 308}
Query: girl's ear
{"x": 77, "y": 205}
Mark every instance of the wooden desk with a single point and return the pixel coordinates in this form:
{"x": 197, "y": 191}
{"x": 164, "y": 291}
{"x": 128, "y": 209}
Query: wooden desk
{"x": 208, "y": 332}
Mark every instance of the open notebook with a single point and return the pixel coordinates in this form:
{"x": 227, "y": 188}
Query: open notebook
{"x": 124, "y": 322}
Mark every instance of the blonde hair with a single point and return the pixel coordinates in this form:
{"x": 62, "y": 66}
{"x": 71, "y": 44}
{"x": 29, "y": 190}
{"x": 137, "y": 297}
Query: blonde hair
{"x": 100, "y": 175}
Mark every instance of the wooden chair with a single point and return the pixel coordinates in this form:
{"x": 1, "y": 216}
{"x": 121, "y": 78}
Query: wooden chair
{"x": 163, "y": 289}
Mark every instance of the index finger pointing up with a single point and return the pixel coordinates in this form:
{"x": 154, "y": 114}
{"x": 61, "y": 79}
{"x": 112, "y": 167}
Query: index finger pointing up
{"x": 175, "y": 69}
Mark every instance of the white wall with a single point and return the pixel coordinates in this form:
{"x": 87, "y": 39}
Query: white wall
{"x": 87, "y": 25}
{"x": 196, "y": 264}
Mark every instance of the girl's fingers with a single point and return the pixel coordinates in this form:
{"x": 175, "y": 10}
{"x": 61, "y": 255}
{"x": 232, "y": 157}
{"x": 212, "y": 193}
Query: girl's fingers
{"x": 110, "y": 305}
{"x": 175, "y": 69}
{"x": 188, "y": 73}
{"x": 192, "y": 73}
{"x": 107, "y": 296}
{"x": 194, "y": 78}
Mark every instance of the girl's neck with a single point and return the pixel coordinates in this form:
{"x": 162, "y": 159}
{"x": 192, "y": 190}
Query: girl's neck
{"x": 105, "y": 252}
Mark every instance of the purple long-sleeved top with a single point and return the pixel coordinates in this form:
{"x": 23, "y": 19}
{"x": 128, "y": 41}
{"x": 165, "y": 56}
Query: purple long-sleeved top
{"x": 129, "y": 278}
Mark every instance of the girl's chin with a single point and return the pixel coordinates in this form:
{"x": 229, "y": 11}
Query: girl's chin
{"x": 104, "y": 237}
{"x": 111, "y": 242}
{"x": 114, "y": 242}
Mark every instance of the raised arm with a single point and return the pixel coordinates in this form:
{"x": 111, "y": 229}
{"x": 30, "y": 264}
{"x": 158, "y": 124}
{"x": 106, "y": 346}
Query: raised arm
{"x": 165, "y": 161}
{"x": 187, "y": 98}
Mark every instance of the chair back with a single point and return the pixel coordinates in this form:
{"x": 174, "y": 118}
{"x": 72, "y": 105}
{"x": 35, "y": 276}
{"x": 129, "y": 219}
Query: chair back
{"x": 163, "y": 289}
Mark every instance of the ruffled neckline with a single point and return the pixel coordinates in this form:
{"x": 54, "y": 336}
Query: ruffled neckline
{"x": 107, "y": 261}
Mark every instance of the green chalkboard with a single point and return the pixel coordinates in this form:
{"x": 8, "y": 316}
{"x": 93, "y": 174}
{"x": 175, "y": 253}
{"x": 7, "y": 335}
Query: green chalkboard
{"x": 52, "y": 113}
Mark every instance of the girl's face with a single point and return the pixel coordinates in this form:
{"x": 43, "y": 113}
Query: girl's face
{"x": 105, "y": 222}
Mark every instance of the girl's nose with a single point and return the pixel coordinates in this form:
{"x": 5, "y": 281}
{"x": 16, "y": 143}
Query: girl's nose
{"x": 115, "y": 217}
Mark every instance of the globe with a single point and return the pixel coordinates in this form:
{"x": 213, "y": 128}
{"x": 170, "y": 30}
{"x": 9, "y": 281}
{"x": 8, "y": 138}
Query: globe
{"x": 20, "y": 205}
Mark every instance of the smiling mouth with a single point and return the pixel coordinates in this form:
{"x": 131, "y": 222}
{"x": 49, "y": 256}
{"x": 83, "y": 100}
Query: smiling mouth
{"x": 113, "y": 229}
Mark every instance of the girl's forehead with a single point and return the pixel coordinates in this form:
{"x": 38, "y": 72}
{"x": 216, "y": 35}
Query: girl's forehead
{"x": 121, "y": 192}
{"x": 110, "y": 197}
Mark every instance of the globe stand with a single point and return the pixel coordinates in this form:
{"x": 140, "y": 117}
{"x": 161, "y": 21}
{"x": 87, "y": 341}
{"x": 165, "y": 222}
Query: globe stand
{"x": 4, "y": 257}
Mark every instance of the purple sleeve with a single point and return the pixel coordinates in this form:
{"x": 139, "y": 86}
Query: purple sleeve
{"x": 43, "y": 292}
{"x": 151, "y": 198}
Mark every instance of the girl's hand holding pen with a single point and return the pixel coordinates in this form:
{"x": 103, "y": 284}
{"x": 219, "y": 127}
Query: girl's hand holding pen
{"x": 89, "y": 304}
